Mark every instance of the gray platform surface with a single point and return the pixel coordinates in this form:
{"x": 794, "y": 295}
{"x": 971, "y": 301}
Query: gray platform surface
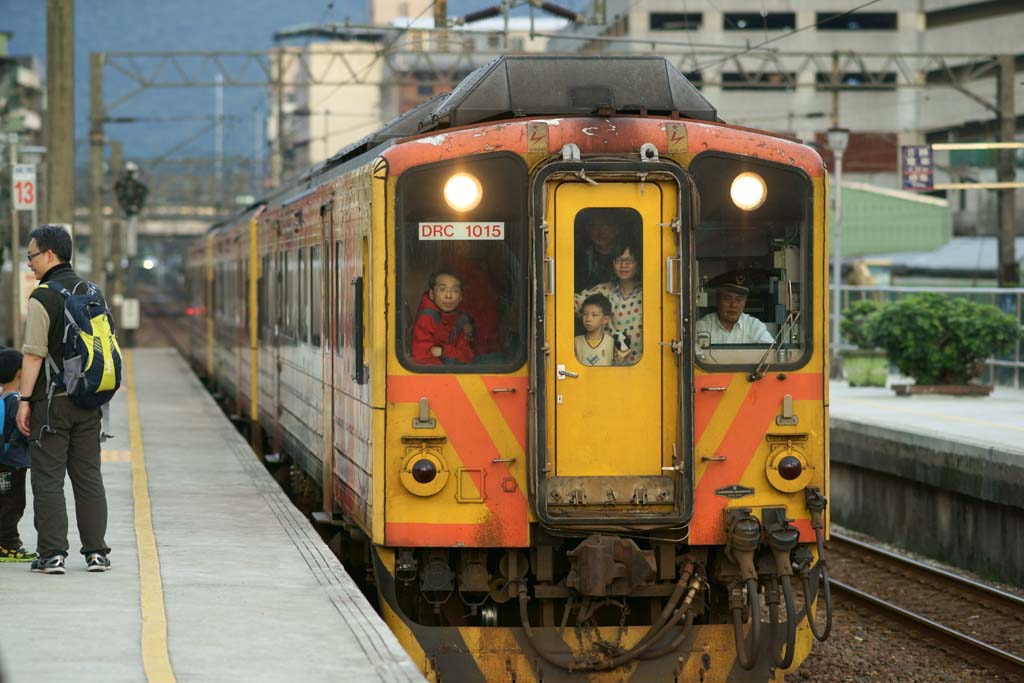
{"x": 992, "y": 424}
{"x": 251, "y": 593}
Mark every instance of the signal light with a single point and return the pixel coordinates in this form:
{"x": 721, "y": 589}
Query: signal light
{"x": 424, "y": 471}
{"x": 790, "y": 468}
{"x": 748, "y": 191}
{"x": 463, "y": 192}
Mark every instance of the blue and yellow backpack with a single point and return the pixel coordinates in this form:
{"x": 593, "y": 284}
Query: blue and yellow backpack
{"x": 92, "y": 358}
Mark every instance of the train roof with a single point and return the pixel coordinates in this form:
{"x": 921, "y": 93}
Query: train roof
{"x": 526, "y": 86}
{"x": 513, "y": 87}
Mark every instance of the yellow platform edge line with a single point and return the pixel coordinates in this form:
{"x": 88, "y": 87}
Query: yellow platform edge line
{"x": 156, "y": 660}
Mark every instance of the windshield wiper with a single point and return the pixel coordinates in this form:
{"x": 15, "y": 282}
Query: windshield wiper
{"x": 766, "y": 362}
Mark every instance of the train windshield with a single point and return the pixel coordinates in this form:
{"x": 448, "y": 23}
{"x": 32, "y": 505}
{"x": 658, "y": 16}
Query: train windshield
{"x": 753, "y": 256}
{"x": 462, "y": 281}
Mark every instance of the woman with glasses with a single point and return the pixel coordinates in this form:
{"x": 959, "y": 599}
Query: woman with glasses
{"x": 625, "y": 291}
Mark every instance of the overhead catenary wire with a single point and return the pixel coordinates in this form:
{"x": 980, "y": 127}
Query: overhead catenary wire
{"x": 380, "y": 53}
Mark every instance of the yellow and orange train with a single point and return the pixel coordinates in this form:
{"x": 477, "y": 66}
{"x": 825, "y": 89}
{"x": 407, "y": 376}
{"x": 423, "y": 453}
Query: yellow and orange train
{"x": 642, "y": 497}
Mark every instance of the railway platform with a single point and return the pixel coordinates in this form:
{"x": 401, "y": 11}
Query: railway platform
{"x": 942, "y": 476}
{"x": 215, "y": 577}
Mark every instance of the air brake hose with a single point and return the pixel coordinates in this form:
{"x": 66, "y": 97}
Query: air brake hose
{"x": 816, "y": 506}
{"x": 782, "y": 539}
{"x": 667, "y": 619}
{"x": 783, "y": 661}
{"x": 747, "y": 658}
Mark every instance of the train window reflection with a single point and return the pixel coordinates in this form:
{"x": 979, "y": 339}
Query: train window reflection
{"x": 751, "y": 268}
{"x": 462, "y": 283}
{"x": 609, "y": 286}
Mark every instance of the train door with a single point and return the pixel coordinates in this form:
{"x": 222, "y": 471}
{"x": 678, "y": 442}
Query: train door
{"x": 327, "y": 322}
{"x": 612, "y": 318}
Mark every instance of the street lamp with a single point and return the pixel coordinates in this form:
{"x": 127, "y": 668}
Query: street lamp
{"x": 838, "y": 139}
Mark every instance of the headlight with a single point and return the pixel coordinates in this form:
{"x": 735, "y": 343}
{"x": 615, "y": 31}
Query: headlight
{"x": 748, "y": 191}
{"x": 463, "y": 192}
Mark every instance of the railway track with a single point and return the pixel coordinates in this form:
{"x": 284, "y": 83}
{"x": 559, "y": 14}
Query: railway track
{"x": 980, "y": 623}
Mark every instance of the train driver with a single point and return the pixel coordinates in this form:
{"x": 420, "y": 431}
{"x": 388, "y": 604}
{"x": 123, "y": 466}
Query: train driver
{"x": 443, "y": 332}
{"x": 728, "y": 324}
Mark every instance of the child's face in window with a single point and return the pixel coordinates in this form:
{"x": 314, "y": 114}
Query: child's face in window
{"x": 593, "y": 318}
{"x": 447, "y": 293}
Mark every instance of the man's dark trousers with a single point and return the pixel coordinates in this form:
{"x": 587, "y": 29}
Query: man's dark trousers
{"x": 71, "y": 444}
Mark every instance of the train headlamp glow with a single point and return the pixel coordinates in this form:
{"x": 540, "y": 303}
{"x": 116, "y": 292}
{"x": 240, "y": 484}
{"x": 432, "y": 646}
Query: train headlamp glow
{"x": 463, "y": 192}
{"x": 748, "y": 191}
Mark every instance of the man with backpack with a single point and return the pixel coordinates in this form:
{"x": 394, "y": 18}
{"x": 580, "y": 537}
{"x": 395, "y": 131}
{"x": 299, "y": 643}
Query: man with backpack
{"x": 63, "y": 430}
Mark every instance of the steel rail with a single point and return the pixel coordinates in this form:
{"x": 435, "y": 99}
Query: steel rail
{"x": 1009, "y": 599}
{"x": 988, "y": 656}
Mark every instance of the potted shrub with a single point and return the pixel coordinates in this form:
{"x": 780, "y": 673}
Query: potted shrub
{"x": 865, "y": 366}
{"x": 942, "y": 342}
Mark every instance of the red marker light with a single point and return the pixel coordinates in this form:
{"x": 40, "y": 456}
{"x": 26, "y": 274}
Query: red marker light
{"x": 790, "y": 468}
{"x": 424, "y": 471}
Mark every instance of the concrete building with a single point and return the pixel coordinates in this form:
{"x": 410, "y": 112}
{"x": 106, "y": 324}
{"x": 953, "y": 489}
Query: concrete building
{"x": 770, "y": 65}
{"x": 364, "y": 77}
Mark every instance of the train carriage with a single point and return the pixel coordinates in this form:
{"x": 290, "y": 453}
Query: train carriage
{"x": 530, "y": 510}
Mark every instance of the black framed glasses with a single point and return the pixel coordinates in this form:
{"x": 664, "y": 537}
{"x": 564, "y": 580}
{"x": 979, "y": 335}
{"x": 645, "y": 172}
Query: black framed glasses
{"x": 30, "y": 255}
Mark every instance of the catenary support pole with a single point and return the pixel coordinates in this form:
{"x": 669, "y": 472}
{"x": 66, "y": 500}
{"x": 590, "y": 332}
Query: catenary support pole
{"x": 59, "y": 132}
{"x": 1009, "y": 272}
{"x": 97, "y": 233}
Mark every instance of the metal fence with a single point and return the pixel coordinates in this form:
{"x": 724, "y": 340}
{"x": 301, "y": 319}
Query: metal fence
{"x": 1000, "y": 370}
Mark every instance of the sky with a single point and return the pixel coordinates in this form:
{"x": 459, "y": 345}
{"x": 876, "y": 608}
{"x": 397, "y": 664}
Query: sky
{"x": 160, "y": 25}
{"x": 149, "y": 25}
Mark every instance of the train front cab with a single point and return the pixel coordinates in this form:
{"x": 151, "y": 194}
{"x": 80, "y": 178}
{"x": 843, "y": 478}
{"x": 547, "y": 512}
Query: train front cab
{"x": 546, "y": 517}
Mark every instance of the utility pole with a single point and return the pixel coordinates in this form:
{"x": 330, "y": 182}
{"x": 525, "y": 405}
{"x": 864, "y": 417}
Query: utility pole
{"x": 218, "y": 142}
{"x": 115, "y": 288}
{"x": 59, "y": 131}
{"x": 1009, "y": 273}
{"x": 15, "y": 302}
{"x": 97, "y": 235}
{"x": 277, "y": 153}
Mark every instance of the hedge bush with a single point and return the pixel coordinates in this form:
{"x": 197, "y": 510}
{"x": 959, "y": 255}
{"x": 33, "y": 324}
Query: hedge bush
{"x": 854, "y": 327}
{"x": 940, "y": 340}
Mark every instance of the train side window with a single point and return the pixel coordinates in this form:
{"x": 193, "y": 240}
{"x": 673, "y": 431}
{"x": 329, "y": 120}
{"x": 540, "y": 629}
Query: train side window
{"x": 342, "y": 290}
{"x": 753, "y": 266}
{"x": 302, "y": 308}
{"x": 608, "y": 278}
{"x": 462, "y": 285}
{"x": 315, "y": 294}
{"x": 289, "y": 295}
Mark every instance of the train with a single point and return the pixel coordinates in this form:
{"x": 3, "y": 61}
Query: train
{"x": 491, "y": 341}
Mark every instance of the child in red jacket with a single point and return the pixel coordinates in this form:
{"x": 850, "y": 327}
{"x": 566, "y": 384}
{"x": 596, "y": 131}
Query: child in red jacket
{"x": 442, "y": 333}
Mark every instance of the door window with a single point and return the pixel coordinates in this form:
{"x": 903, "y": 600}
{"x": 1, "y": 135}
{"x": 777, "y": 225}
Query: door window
{"x": 608, "y": 289}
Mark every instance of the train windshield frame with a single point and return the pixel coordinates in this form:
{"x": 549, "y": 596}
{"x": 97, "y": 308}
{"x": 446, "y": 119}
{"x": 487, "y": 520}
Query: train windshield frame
{"x": 462, "y": 286}
{"x": 754, "y": 268}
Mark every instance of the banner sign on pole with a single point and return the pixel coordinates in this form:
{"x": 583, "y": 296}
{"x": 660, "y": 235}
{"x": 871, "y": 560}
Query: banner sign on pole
{"x": 917, "y": 166}
{"x": 24, "y": 188}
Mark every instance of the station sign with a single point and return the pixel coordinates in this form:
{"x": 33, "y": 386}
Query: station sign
{"x": 917, "y": 167}
{"x": 23, "y": 187}
{"x": 462, "y": 231}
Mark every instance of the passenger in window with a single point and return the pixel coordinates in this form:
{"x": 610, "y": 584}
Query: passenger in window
{"x": 594, "y": 259}
{"x": 442, "y": 333}
{"x": 478, "y": 269}
{"x": 625, "y": 292}
{"x": 595, "y": 346}
{"x": 728, "y": 324}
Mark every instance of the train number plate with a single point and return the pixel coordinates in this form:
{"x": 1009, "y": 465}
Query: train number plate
{"x": 462, "y": 231}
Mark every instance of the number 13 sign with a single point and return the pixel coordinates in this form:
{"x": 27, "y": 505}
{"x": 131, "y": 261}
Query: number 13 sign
{"x": 24, "y": 189}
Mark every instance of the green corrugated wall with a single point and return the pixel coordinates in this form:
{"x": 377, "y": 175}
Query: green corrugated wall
{"x": 878, "y": 221}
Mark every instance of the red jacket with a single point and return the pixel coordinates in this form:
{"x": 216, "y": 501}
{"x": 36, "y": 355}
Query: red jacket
{"x": 434, "y": 327}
